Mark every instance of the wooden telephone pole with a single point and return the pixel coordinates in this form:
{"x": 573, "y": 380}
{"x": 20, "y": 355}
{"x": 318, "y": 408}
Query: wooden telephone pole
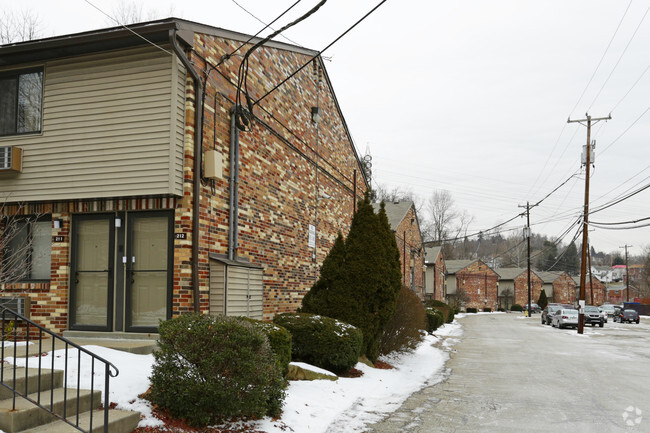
{"x": 527, "y": 236}
{"x": 627, "y": 273}
{"x": 585, "y": 221}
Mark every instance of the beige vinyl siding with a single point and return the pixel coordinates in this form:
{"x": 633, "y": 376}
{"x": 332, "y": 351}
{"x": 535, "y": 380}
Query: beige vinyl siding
{"x": 113, "y": 126}
{"x": 242, "y": 290}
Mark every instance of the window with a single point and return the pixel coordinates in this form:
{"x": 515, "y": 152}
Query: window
{"x": 21, "y": 97}
{"x": 27, "y": 250}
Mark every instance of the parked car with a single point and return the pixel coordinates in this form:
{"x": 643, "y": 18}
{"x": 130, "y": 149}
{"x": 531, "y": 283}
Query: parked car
{"x": 549, "y": 311}
{"x": 628, "y": 316}
{"x": 592, "y": 316}
{"x": 565, "y": 318}
{"x": 609, "y": 309}
{"x": 534, "y": 308}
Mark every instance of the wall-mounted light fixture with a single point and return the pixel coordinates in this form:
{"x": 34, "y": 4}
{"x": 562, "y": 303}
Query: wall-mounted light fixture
{"x": 118, "y": 222}
{"x": 57, "y": 223}
{"x": 316, "y": 114}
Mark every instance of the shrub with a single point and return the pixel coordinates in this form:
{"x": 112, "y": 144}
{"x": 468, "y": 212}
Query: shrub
{"x": 213, "y": 368}
{"x": 501, "y": 309}
{"x": 360, "y": 278}
{"x": 404, "y": 330}
{"x": 442, "y": 307}
{"x": 279, "y": 339}
{"x": 322, "y": 341}
{"x": 435, "y": 319}
{"x": 471, "y": 310}
{"x": 516, "y": 307}
{"x": 543, "y": 300}
{"x": 487, "y": 310}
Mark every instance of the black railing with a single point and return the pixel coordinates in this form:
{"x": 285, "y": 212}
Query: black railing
{"x": 10, "y": 328}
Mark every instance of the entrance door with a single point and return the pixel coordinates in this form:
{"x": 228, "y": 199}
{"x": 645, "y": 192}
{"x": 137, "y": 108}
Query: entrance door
{"x": 92, "y": 273}
{"x": 121, "y": 272}
{"x": 148, "y": 277}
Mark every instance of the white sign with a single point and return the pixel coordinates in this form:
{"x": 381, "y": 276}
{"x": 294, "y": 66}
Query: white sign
{"x": 312, "y": 236}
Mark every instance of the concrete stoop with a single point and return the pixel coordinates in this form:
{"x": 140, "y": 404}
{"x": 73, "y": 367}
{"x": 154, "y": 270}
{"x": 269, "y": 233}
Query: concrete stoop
{"x": 27, "y": 417}
{"x": 140, "y": 344}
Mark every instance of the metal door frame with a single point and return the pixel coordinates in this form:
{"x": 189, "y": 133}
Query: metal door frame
{"x": 130, "y": 216}
{"x": 74, "y": 252}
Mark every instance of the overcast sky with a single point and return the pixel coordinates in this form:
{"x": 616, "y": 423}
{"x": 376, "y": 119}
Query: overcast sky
{"x": 471, "y": 96}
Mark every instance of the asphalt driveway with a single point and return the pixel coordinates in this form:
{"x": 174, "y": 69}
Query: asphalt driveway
{"x": 509, "y": 373}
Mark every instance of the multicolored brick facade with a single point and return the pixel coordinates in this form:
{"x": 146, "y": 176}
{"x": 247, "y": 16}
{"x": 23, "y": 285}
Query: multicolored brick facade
{"x": 479, "y": 282}
{"x": 435, "y": 274}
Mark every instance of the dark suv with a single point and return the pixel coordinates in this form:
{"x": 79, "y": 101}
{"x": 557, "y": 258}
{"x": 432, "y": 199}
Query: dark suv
{"x": 628, "y": 316}
{"x": 593, "y": 317}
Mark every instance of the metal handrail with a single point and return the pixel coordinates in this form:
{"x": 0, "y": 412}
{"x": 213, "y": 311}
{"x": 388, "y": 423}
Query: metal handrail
{"x": 110, "y": 370}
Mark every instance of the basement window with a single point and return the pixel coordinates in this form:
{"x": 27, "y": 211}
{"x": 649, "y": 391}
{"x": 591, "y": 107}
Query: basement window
{"x": 21, "y": 100}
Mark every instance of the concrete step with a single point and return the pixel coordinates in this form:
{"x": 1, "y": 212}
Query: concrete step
{"x": 138, "y": 343}
{"x": 49, "y": 379}
{"x": 27, "y": 415}
{"x": 119, "y": 421}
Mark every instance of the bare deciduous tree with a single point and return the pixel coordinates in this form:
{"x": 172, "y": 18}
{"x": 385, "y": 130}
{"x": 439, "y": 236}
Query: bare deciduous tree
{"x": 19, "y": 26}
{"x": 130, "y": 12}
{"x": 16, "y": 237}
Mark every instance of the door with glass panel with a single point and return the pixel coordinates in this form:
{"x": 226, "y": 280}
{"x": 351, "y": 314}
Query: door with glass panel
{"x": 121, "y": 271}
{"x": 92, "y": 273}
{"x": 148, "y": 277}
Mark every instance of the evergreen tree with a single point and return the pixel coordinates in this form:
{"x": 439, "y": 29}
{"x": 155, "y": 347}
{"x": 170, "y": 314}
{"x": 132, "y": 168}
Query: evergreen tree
{"x": 570, "y": 262}
{"x": 548, "y": 257}
{"x": 317, "y": 299}
{"x": 543, "y": 300}
{"x": 361, "y": 278}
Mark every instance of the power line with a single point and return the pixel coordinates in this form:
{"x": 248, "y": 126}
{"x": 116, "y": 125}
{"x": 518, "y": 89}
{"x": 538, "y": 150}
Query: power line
{"x": 621, "y": 222}
{"x": 602, "y": 57}
{"x": 243, "y": 117}
{"x": 320, "y": 52}
{"x": 127, "y": 28}
{"x": 625, "y": 132}
{"x": 268, "y": 25}
{"x": 621, "y": 56}
{"x": 615, "y": 202}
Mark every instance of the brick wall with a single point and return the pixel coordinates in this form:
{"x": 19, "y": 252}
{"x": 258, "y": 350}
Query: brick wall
{"x": 436, "y": 272}
{"x": 480, "y": 284}
{"x": 564, "y": 289}
{"x": 521, "y": 288}
{"x": 293, "y": 172}
{"x": 411, "y": 252}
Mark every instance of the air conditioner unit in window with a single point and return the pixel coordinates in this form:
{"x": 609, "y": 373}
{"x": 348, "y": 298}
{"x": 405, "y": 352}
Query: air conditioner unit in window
{"x": 11, "y": 159}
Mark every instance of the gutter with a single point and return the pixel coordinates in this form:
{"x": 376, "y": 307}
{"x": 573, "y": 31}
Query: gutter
{"x": 198, "y": 154}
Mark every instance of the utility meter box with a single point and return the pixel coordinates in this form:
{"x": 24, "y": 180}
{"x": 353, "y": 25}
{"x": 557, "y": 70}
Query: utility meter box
{"x": 213, "y": 164}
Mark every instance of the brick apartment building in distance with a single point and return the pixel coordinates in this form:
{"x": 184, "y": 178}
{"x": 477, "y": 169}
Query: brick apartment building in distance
{"x": 404, "y": 222}
{"x": 149, "y": 201}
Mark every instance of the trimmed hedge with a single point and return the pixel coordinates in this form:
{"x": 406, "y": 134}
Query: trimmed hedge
{"x": 516, "y": 307}
{"x": 322, "y": 341}
{"x": 487, "y": 310}
{"x": 435, "y": 319}
{"x": 279, "y": 339}
{"x": 445, "y": 309}
{"x": 471, "y": 310}
{"x": 213, "y": 368}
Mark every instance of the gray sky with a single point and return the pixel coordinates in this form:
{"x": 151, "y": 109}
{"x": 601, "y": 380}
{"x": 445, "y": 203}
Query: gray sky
{"x": 471, "y": 96}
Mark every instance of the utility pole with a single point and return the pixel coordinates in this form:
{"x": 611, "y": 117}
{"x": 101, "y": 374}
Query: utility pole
{"x": 585, "y": 219}
{"x": 527, "y": 236}
{"x": 627, "y": 272}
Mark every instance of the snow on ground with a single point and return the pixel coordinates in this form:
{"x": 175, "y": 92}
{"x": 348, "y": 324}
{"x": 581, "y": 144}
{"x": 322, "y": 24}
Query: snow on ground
{"x": 310, "y": 406}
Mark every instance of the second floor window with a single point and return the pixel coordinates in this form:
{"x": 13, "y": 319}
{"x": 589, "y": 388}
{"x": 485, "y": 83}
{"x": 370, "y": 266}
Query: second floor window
{"x": 21, "y": 97}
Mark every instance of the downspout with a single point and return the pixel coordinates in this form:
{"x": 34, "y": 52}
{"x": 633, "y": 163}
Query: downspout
{"x": 233, "y": 187}
{"x": 198, "y": 141}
